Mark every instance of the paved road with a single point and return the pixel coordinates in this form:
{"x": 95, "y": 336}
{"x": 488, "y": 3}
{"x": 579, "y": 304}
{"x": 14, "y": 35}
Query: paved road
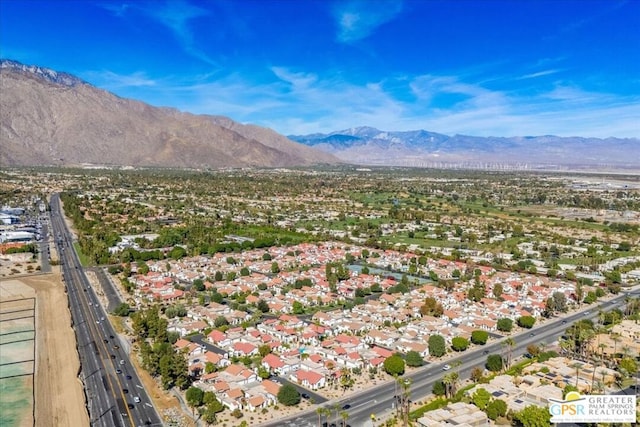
{"x": 111, "y": 384}
{"x": 379, "y": 400}
{"x": 108, "y": 288}
{"x": 199, "y": 339}
{"x": 44, "y": 249}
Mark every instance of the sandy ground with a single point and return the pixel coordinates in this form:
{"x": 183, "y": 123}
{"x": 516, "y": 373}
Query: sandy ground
{"x": 16, "y": 264}
{"x": 59, "y": 397}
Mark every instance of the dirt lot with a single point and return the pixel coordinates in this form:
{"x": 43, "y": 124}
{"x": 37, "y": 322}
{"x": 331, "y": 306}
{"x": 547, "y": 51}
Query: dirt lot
{"x": 59, "y": 398}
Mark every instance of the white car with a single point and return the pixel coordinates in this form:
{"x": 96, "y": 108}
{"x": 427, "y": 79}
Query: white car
{"x": 446, "y": 367}
{"x": 136, "y": 399}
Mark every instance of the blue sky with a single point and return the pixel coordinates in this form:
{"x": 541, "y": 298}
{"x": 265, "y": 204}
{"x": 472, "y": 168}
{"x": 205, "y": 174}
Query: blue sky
{"x": 487, "y": 68}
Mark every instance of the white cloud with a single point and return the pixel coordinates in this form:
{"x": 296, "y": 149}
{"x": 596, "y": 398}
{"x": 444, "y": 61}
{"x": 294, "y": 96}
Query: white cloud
{"x": 295, "y": 79}
{"x": 539, "y": 74}
{"x": 295, "y": 102}
{"x": 357, "y": 19}
{"x": 173, "y": 14}
{"x": 113, "y": 81}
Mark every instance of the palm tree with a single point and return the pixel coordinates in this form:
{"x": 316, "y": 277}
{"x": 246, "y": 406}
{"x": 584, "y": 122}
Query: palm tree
{"x": 344, "y": 415}
{"x": 320, "y": 412}
{"x": 509, "y": 343}
{"x": 602, "y": 346}
{"x": 447, "y": 380}
{"x": 585, "y": 337}
{"x": 577, "y": 365}
{"x": 566, "y": 346}
{"x": 626, "y": 351}
{"x": 603, "y": 373}
{"x": 405, "y": 385}
{"x": 336, "y": 408}
{"x": 327, "y": 413}
{"x": 450, "y": 381}
{"x": 616, "y": 339}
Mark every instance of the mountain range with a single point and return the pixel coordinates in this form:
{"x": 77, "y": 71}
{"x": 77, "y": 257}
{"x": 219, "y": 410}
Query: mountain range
{"x": 53, "y": 118}
{"x": 420, "y": 148}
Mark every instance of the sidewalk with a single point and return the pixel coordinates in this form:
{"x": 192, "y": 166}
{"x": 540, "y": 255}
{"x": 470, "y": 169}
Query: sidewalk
{"x": 187, "y": 410}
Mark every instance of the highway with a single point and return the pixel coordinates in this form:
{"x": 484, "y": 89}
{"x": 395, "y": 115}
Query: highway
{"x": 115, "y": 395}
{"x": 379, "y": 400}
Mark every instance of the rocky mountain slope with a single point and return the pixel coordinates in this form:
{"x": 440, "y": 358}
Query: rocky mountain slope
{"x": 366, "y": 145}
{"x": 53, "y": 118}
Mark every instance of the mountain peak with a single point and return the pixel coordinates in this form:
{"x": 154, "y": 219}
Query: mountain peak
{"x": 370, "y": 146}
{"x": 45, "y": 74}
{"x": 54, "y": 118}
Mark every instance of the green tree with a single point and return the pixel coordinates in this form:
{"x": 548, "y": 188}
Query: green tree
{"x": 264, "y": 349}
{"x": 122, "y": 310}
{"x": 216, "y": 297}
{"x": 198, "y": 285}
{"x": 533, "y": 416}
{"x": 263, "y": 306}
{"x": 220, "y": 321}
{"x": 413, "y": 358}
{"x": 208, "y": 397}
{"x": 479, "y": 337}
{"x": 431, "y": 307}
{"x": 497, "y": 290}
{"x": 297, "y": 307}
{"x": 288, "y": 395}
{"x": 275, "y": 268}
{"x": 439, "y": 388}
{"x": 481, "y": 398}
{"x": 213, "y": 407}
{"x": 628, "y": 366}
{"x": 494, "y": 362}
{"x": 459, "y": 343}
{"x": 263, "y": 372}
{"x": 194, "y": 397}
{"x": 526, "y": 321}
{"x": 560, "y": 301}
{"x": 505, "y": 324}
{"x": 496, "y": 408}
{"x": 437, "y": 345}
{"x": 394, "y": 365}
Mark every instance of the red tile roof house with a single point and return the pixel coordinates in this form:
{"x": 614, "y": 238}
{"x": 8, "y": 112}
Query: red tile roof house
{"x": 188, "y": 347}
{"x": 273, "y": 364}
{"x": 219, "y": 338}
{"x": 184, "y": 328}
{"x": 233, "y": 398}
{"x": 271, "y": 389}
{"x": 257, "y": 402}
{"x": 309, "y": 379}
{"x": 406, "y": 346}
{"x": 216, "y": 359}
{"x": 241, "y": 349}
{"x": 239, "y": 375}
